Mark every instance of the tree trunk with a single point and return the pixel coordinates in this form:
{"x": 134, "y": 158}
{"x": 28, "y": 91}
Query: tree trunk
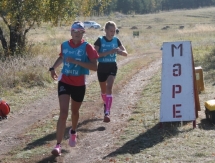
{"x": 3, "y": 41}
{"x": 17, "y": 39}
{"x": 13, "y": 39}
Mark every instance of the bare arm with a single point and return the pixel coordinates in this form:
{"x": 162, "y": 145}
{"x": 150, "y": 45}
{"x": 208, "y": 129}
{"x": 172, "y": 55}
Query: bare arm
{"x": 58, "y": 62}
{"x": 55, "y": 65}
{"x": 92, "y": 65}
{"x": 103, "y": 54}
{"x": 122, "y": 51}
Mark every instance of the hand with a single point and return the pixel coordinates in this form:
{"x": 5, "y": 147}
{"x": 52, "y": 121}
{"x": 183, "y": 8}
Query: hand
{"x": 119, "y": 51}
{"x": 54, "y": 75}
{"x": 115, "y": 50}
{"x": 70, "y": 60}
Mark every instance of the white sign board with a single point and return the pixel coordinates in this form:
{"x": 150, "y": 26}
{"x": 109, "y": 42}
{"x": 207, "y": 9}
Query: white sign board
{"x": 177, "y": 85}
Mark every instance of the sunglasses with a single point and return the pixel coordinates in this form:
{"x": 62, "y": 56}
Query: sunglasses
{"x": 78, "y": 31}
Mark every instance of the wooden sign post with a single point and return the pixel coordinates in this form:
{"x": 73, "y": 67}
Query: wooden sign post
{"x": 179, "y": 97}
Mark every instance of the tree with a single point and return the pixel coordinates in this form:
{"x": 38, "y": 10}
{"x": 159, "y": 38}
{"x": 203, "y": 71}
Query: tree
{"x": 21, "y": 15}
{"x": 137, "y": 6}
{"x": 124, "y": 6}
{"x": 111, "y": 7}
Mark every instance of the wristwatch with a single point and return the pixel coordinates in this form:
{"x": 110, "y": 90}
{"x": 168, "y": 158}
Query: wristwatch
{"x": 51, "y": 69}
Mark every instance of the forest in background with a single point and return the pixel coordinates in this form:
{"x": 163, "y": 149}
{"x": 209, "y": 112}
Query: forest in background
{"x": 19, "y": 17}
{"x": 151, "y": 6}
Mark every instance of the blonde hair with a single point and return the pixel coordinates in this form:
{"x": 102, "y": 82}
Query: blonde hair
{"x": 110, "y": 23}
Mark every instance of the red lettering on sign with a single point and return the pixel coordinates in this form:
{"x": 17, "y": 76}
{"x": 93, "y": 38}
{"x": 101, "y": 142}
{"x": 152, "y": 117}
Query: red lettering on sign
{"x": 176, "y": 89}
{"x": 176, "y": 113}
{"x": 179, "y": 47}
{"x": 177, "y": 70}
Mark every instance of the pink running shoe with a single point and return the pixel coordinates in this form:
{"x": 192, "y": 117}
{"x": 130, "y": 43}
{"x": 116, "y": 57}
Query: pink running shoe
{"x": 72, "y": 139}
{"x": 57, "y": 150}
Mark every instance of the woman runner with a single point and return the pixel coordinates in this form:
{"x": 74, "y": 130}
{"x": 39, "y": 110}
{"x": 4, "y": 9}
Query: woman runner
{"x": 78, "y": 57}
{"x": 108, "y": 47}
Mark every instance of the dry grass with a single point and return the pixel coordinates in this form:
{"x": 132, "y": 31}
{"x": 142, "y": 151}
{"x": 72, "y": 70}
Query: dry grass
{"x": 21, "y": 78}
{"x": 143, "y": 139}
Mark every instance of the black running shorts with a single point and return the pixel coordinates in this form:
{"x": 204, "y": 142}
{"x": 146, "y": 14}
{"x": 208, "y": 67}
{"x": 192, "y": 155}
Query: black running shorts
{"x": 76, "y": 92}
{"x": 106, "y": 69}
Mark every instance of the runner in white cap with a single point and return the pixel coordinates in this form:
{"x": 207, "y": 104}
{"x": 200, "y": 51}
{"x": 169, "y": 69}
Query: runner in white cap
{"x": 78, "y": 57}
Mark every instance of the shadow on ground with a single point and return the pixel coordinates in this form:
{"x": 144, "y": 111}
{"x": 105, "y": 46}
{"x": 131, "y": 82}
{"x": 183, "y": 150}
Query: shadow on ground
{"x": 156, "y": 135}
{"x": 205, "y": 124}
{"x": 150, "y": 138}
{"x": 82, "y": 127}
{"x": 54, "y": 159}
{"x": 44, "y": 140}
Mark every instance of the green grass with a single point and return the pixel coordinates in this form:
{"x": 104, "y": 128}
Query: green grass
{"x": 21, "y": 78}
{"x": 143, "y": 139}
{"x": 41, "y": 135}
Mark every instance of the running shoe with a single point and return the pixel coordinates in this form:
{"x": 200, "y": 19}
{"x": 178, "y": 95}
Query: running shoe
{"x": 57, "y": 150}
{"x": 72, "y": 139}
{"x": 106, "y": 118}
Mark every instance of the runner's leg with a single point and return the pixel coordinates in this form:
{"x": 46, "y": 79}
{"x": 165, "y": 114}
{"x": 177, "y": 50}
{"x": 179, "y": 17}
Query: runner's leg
{"x": 75, "y": 113}
{"x": 103, "y": 90}
{"x": 77, "y": 96}
{"x": 109, "y": 87}
{"x": 61, "y": 124}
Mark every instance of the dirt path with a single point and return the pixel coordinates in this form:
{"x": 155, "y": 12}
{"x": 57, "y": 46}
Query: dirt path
{"x": 95, "y": 137}
{"x": 33, "y": 113}
{"x": 96, "y": 145}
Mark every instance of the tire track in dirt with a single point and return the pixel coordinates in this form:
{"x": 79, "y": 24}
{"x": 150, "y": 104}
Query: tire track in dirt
{"x": 100, "y": 137}
{"x": 33, "y": 113}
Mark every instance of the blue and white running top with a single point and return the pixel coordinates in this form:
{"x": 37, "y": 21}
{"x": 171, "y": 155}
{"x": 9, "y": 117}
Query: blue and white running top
{"x": 106, "y": 46}
{"x": 79, "y": 53}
